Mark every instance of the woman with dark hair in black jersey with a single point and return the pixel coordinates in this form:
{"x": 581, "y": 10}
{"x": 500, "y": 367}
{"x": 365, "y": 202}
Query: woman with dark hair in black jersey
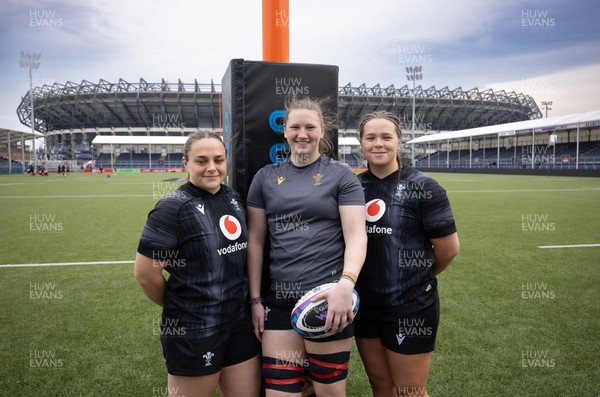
{"x": 198, "y": 234}
{"x": 411, "y": 239}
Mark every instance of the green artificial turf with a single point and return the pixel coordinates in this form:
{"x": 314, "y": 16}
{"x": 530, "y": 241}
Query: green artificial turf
{"x": 516, "y": 320}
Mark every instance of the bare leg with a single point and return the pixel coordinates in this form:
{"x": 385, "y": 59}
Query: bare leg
{"x": 409, "y": 372}
{"x": 192, "y": 386}
{"x": 241, "y": 380}
{"x": 373, "y": 356}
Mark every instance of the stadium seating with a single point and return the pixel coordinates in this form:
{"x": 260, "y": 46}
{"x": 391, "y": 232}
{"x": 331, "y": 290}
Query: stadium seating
{"x": 562, "y": 155}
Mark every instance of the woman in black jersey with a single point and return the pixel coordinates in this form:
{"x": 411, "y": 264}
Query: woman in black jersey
{"x": 198, "y": 234}
{"x": 412, "y": 238}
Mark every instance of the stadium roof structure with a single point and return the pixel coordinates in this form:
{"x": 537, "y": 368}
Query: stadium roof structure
{"x": 138, "y": 140}
{"x": 8, "y": 137}
{"x": 435, "y": 109}
{"x": 174, "y": 140}
{"x": 12, "y": 135}
{"x": 72, "y": 106}
{"x": 528, "y": 127}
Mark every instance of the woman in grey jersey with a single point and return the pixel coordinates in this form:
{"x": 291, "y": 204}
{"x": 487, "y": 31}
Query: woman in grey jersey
{"x": 198, "y": 234}
{"x": 311, "y": 207}
{"x": 411, "y": 239}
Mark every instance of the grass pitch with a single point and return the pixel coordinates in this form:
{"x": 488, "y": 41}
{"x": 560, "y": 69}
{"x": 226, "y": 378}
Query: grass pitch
{"x": 517, "y": 320}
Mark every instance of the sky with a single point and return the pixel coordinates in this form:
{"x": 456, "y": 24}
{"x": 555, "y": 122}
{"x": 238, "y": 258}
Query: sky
{"x": 548, "y": 49}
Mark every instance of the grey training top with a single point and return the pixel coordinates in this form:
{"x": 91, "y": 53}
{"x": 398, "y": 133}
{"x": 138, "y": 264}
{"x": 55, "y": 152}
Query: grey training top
{"x": 302, "y": 209}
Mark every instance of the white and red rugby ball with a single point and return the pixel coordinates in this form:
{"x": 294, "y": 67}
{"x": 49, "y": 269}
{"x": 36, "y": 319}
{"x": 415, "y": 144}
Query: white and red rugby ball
{"x": 308, "y": 318}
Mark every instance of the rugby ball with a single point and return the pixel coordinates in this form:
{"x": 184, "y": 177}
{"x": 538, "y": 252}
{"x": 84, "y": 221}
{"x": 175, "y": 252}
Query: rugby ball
{"x": 308, "y": 318}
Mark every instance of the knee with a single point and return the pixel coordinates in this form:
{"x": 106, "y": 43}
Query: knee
{"x": 382, "y": 386}
{"x": 282, "y": 376}
{"x": 328, "y": 368}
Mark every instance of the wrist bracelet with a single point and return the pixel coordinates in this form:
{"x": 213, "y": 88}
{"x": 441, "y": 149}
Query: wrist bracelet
{"x": 347, "y": 277}
{"x": 351, "y": 276}
{"x": 256, "y": 300}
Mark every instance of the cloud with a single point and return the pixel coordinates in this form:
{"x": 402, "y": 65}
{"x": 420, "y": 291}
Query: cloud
{"x": 571, "y": 91}
{"x": 464, "y": 43}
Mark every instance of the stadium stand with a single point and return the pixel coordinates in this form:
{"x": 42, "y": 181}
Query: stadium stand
{"x": 562, "y": 142}
{"x": 480, "y": 129}
{"x": 71, "y": 115}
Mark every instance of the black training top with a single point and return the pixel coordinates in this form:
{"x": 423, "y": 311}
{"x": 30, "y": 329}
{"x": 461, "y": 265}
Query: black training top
{"x": 402, "y": 217}
{"x": 202, "y": 238}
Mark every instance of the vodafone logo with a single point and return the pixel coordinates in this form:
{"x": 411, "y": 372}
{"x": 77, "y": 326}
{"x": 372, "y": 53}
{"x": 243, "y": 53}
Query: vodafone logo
{"x": 230, "y": 227}
{"x": 375, "y": 210}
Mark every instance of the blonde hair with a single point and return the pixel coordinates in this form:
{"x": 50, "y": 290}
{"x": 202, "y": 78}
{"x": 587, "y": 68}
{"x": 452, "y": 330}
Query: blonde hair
{"x": 327, "y": 122}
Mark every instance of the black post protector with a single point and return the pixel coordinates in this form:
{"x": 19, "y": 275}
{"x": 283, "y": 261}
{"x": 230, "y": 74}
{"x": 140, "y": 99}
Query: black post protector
{"x": 252, "y": 109}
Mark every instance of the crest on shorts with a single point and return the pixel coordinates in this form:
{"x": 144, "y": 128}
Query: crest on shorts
{"x": 208, "y": 357}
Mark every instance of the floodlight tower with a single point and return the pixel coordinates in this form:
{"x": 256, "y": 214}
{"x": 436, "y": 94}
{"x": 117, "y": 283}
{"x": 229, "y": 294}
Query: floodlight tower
{"x": 31, "y": 60}
{"x": 546, "y": 104}
{"x": 414, "y": 74}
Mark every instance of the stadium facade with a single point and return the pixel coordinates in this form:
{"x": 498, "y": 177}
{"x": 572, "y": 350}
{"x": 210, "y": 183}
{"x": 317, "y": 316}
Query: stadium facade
{"x": 70, "y": 115}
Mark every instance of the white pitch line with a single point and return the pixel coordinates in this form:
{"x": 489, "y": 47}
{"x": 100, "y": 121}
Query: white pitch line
{"x": 524, "y": 190}
{"x": 66, "y": 264}
{"x": 79, "y": 196}
{"x": 569, "y": 246}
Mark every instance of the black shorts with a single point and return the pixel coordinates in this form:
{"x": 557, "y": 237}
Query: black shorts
{"x": 205, "y": 356}
{"x": 278, "y": 316}
{"x": 400, "y": 332}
